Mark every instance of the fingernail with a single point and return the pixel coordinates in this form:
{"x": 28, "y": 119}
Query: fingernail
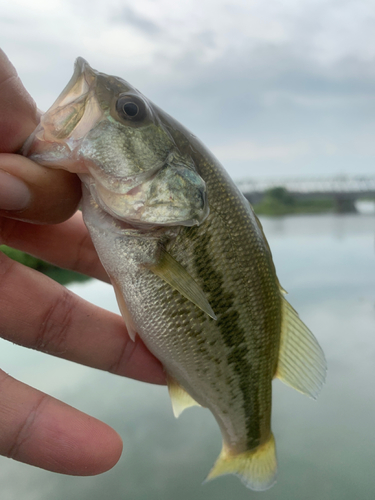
{"x": 14, "y": 193}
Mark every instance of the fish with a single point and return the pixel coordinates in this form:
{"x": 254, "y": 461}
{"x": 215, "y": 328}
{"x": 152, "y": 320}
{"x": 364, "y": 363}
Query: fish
{"x": 191, "y": 267}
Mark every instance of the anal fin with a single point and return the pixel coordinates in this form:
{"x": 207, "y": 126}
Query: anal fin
{"x": 179, "y": 397}
{"x": 301, "y": 364}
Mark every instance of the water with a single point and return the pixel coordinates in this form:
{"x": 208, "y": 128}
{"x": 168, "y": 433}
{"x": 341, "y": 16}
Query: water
{"x": 326, "y": 448}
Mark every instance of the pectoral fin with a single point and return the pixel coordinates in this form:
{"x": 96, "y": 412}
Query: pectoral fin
{"x": 169, "y": 270}
{"x": 302, "y": 364}
{"x": 179, "y": 397}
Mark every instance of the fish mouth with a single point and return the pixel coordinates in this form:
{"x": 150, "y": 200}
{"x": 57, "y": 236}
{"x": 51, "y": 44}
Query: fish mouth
{"x": 66, "y": 122}
{"x": 82, "y": 67}
{"x": 82, "y": 80}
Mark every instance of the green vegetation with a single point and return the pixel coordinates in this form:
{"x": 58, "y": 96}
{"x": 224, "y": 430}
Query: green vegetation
{"x": 62, "y": 276}
{"x": 278, "y": 201}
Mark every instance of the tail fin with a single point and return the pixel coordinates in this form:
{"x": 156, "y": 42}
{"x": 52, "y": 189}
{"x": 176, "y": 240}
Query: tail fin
{"x": 256, "y": 468}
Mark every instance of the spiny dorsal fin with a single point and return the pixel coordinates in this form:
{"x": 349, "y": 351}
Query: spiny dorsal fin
{"x": 302, "y": 364}
{"x": 256, "y": 468}
{"x": 260, "y": 227}
{"x": 169, "y": 270}
{"x": 179, "y": 397}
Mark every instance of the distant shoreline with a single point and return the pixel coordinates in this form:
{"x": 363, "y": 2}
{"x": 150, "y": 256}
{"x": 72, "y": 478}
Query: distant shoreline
{"x": 278, "y": 201}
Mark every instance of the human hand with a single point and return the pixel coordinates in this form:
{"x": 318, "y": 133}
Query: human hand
{"x": 36, "y": 215}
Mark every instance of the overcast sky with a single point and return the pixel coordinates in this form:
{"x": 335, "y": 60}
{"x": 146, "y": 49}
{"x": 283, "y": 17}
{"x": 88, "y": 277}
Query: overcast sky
{"x": 273, "y": 88}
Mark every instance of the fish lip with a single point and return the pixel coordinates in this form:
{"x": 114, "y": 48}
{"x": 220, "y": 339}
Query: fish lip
{"x": 82, "y": 67}
{"x": 82, "y": 71}
{"x": 45, "y": 145}
{"x": 80, "y": 64}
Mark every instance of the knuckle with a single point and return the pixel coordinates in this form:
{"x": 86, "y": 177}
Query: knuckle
{"x": 24, "y": 430}
{"x": 55, "y": 324}
{"x": 7, "y": 267}
{"x": 4, "y": 377}
{"x": 18, "y": 420}
{"x": 125, "y": 356}
{"x": 7, "y": 228}
{"x": 84, "y": 260}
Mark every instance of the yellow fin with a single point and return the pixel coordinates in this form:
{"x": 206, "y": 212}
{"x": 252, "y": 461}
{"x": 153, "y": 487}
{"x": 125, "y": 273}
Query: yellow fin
{"x": 256, "y": 468}
{"x": 179, "y": 397}
{"x": 169, "y": 270}
{"x": 302, "y": 364}
{"x": 125, "y": 312}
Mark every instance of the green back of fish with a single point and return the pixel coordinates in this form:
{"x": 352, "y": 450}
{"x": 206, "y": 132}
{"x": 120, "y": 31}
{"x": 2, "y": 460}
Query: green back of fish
{"x": 235, "y": 357}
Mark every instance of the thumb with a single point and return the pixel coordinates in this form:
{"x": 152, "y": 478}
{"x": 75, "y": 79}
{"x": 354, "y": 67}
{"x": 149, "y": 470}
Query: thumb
{"x": 28, "y": 191}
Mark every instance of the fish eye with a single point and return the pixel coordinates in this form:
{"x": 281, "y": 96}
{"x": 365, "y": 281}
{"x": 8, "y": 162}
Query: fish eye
{"x": 131, "y": 107}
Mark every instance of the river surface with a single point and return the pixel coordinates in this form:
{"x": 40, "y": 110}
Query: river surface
{"x": 325, "y": 448}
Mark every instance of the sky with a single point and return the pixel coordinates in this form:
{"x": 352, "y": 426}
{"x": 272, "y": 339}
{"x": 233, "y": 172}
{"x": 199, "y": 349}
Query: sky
{"x": 273, "y": 88}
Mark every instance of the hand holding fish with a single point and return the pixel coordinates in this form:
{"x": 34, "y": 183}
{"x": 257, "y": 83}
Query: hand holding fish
{"x": 36, "y": 207}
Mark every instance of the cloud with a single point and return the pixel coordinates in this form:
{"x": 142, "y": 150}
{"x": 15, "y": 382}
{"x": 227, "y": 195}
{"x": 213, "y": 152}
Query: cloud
{"x": 259, "y": 82}
{"x": 128, "y": 15}
{"x": 250, "y": 151}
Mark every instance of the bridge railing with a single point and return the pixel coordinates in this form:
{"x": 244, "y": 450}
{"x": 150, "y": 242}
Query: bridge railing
{"x": 351, "y": 185}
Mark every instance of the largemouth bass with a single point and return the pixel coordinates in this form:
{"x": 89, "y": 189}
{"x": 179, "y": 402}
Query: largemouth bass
{"x": 188, "y": 259}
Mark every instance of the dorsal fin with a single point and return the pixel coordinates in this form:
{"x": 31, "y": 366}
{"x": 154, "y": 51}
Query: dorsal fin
{"x": 169, "y": 270}
{"x": 260, "y": 227}
{"x": 302, "y": 364}
{"x": 179, "y": 397}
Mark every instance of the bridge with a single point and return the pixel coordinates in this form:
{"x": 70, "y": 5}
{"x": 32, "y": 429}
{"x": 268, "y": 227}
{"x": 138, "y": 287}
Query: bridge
{"x": 345, "y": 190}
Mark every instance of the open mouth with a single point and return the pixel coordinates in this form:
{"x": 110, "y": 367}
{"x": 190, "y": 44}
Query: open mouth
{"x": 66, "y": 122}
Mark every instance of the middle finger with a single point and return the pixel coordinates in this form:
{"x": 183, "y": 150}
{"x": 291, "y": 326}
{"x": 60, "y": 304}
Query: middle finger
{"x": 39, "y": 313}
{"x": 67, "y": 245}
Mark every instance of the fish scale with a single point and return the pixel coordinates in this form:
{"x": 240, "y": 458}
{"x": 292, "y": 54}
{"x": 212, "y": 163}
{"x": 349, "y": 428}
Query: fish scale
{"x": 234, "y": 333}
{"x": 188, "y": 259}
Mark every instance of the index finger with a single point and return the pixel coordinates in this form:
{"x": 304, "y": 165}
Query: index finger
{"x": 54, "y": 320}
